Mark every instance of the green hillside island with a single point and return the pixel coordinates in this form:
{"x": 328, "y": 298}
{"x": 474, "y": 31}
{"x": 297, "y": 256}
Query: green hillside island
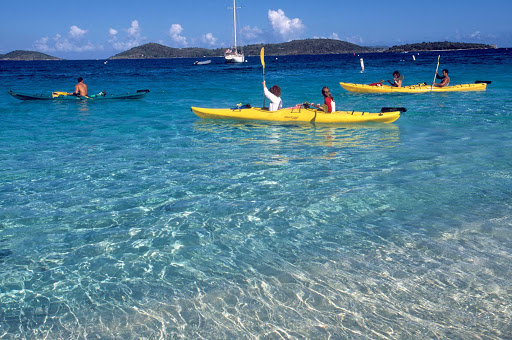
{"x": 439, "y": 46}
{"x": 27, "y": 55}
{"x": 295, "y": 47}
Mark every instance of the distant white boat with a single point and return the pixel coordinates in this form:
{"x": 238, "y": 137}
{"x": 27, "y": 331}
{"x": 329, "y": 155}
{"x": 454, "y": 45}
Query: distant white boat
{"x": 205, "y": 62}
{"x": 233, "y": 55}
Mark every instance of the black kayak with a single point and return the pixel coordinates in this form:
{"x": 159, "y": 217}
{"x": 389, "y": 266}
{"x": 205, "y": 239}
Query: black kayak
{"x": 68, "y": 96}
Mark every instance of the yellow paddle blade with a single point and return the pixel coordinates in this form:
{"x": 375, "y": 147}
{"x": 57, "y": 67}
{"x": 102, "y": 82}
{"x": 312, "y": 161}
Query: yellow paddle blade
{"x": 262, "y": 57}
{"x": 59, "y": 93}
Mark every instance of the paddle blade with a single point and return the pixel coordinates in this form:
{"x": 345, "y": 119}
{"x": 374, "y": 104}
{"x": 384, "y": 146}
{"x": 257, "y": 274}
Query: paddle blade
{"x": 483, "y": 81}
{"x": 56, "y": 94}
{"x": 262, "y": 56}
{"x": 393, "y": 109}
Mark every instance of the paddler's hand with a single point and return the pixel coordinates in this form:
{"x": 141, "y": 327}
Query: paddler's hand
{"x": 264, "y": 84}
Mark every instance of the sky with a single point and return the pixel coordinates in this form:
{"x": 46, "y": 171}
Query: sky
{"x": 100, "y": 29}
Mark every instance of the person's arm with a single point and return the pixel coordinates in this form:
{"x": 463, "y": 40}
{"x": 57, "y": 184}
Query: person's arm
{"x": 444, "y": 82}
{"x": 438, "y": 76}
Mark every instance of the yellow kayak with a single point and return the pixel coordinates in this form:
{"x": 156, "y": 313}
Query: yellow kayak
{"x": 300, "y": 114}
{"x": 420, "y": 88}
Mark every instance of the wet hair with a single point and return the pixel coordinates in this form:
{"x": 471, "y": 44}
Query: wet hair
{"x": 397, "y": 73}
{"x": 275, "y": 90}
{"x": 325, "y": 89}
{"x": 80, "y": 79}
{"x": 445, "y": 70}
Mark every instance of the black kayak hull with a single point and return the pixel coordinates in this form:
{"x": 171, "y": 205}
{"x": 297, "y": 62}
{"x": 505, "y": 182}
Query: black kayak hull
{"x": 23, "y": 96}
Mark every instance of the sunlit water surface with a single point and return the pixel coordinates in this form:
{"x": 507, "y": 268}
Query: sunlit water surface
{"x": 136, "y": 219}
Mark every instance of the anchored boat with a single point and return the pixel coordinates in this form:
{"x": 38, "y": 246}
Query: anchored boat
{"x": 233, "y": 55}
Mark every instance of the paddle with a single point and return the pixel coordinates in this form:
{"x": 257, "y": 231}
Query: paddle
{"x": 483, "y": 81}
{"x": 56, "y": 94}
{"x": 392, "y": 109}
{"x": 262, "y": 57}
{"x": 437, "y": 68}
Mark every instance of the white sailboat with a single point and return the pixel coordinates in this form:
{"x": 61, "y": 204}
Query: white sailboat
{"x": 233, "y": 55}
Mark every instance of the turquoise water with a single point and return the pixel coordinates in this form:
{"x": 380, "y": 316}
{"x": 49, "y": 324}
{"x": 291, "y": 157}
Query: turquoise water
{"x": 136, "y": 219}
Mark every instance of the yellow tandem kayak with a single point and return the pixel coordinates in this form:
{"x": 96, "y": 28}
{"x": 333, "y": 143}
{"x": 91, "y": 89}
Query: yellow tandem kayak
{"x": 388, "y": 115}
{"x": 420, "y": 88}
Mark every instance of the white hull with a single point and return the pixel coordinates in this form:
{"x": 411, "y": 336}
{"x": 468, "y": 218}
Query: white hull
{"x": 239, "y": 58}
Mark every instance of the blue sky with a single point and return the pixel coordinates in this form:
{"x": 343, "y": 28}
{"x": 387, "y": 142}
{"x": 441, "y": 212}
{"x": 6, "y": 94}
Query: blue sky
{"x": 101, "y": 29}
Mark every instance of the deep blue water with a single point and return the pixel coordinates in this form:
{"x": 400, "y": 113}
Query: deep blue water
{"x": 136, "y": 219}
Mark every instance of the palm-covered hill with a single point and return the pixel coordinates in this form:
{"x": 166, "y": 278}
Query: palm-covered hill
{"x": 438, "y": 46}
{"x": 27, "y": 55}
{"x": 307, "y": 46}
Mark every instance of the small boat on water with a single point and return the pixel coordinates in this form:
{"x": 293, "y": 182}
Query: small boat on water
{"x": 299, "y": 113}
{"x": 58, "y": 95}
{"x": 419, "y": 88}
{"x": 205, "y": 62}
{"x": 233, "y": 55}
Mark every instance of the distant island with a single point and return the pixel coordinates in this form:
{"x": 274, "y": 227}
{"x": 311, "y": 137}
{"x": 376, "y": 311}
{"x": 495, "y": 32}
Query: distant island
{"x": 439, "y": 46}
{"x": 27, "y": 55}
{"x": 294, "y": 47}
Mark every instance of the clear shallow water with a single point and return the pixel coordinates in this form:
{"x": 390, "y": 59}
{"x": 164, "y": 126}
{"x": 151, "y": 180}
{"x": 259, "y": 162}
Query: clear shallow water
{"x": 136, "y": 219}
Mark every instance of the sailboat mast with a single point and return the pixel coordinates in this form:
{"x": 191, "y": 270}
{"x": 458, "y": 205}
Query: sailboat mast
{"x": 234, "y": 20}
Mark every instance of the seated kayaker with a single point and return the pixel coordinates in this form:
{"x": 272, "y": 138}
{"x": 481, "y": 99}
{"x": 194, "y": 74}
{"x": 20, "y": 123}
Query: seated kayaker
{"x": 329, "y": 103}
{"x": 80, "y": 88}
{"x": 397, "y": 79}
{"x": 445, "y": 79}
{"x": 274, "y": 95}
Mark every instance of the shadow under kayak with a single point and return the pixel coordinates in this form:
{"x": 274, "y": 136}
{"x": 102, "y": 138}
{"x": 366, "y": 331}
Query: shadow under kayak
{"x": 63, "y": 96}
{"x": 388, "y": 115}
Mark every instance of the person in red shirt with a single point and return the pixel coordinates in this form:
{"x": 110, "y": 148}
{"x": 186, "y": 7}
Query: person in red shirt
{"x": 329, "y": 104}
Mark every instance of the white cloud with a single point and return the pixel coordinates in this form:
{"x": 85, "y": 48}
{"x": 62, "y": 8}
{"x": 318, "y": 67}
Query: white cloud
{"x": 209, "y": 39}
{"x": 287, "y": 28}
{"x": 60, "y": 43}
{"x": 175, "y": 33}
{"x": 475, "y": 34}
{"x": 133, "y": 37}
{"x": 134, "y": 30}
{"x": 76, "y": 32}
{"x": 355, "y": 39}
{"x": 333, "y": 36}
{"x": 251, "y": 33}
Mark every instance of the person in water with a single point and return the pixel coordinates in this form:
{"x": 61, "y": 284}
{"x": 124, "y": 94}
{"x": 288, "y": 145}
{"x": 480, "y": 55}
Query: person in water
{"x": 445, "y": 79}
{"x": 80, "y": 88}
{"x": 397, "y": 79}
{"x": 274, "y": 95}
{"x": 329, "y": 104}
